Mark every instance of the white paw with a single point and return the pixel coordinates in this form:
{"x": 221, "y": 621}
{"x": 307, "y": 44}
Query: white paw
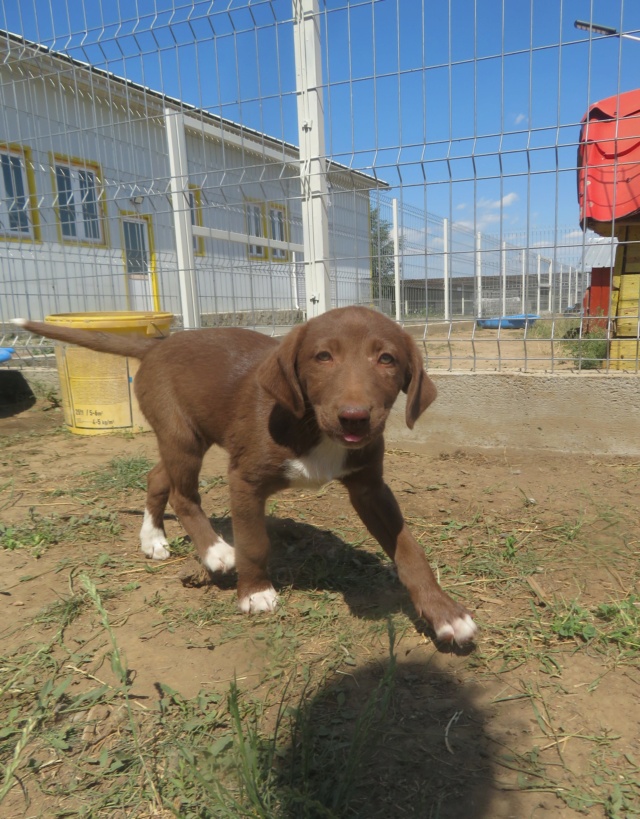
{"x": 266, "y": 600}
{"x": 158, "y": 550}
{"x": 461, "y": 630}
{"x": 220, "y": 557}
{"x": 153, "y": 541}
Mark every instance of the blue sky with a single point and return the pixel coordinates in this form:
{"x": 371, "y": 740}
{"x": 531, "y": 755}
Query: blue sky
{"x": 483, "y": 98}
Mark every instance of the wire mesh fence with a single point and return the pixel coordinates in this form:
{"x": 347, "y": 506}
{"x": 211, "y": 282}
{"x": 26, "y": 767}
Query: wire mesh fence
{"x": 253, "y": 162}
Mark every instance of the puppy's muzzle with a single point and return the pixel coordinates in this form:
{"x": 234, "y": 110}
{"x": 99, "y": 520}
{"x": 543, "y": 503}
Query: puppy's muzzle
{"x": 355, "y": 423}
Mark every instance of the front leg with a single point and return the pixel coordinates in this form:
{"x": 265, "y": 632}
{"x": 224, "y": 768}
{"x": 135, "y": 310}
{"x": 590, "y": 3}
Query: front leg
{"x": 255, "y": 591}
{"x": 379, "y": 511}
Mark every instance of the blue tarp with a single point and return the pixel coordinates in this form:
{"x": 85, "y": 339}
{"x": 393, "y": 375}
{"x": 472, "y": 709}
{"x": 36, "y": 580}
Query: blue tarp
{"x": 508, "y": 322}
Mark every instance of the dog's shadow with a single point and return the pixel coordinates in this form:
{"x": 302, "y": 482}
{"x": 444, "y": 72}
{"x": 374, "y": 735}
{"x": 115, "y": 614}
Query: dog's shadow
{"x": 16, "y": 394}
{"x": 306, "y": 557}
{"x": 314, "y": 559}
{"x": 391, "y": 739}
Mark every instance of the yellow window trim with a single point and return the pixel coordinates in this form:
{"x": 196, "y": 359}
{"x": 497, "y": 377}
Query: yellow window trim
{"x": 283, "y": 208}
{"x": 269, "y": 252}
{"x": 199, "y": 248}
{"x": 133, "y": 215}
{"x": 34, "y": 213}
{"x": 264, "y": 256}
{"x": 78, "y": 162}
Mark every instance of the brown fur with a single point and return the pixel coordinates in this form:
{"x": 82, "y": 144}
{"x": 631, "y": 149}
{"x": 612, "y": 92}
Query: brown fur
{"x": 331, "y": 381}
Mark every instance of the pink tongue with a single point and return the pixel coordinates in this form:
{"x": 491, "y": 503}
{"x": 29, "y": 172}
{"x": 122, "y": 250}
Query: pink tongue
{"x": 353, "y": 439}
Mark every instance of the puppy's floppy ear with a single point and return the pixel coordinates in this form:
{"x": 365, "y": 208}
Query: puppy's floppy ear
{"x": 420, "y": 389}
{"x": 278, "y": 374}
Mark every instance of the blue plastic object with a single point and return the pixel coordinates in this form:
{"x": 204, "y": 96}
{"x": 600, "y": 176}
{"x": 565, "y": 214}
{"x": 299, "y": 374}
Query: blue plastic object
{"x": 509, "y": 322}
{"x": 6, "y": 353}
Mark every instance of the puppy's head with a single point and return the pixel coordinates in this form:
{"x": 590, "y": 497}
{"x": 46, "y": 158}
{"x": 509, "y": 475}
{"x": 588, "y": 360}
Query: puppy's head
{"x": 348, "y": 365}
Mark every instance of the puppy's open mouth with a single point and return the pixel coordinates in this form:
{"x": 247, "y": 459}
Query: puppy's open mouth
{"x": 349, "y": 438}
{"x": 352, "y": 433}
{"x": 354, "y": 438}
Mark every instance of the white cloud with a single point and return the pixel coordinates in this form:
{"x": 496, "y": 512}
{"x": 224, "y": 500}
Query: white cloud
{"x": 494, "y": 204}
{"x": 483, "y": 221}
{"x": 520, "y": 118}
{"x": 488, "y": 212}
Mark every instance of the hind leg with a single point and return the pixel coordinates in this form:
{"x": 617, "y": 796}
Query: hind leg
{"x": 182, "y": 464}
{"x": 153, "y": 540}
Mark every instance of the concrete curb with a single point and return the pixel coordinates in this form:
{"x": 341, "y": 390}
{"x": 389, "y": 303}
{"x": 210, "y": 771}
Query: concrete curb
{"x": 597, "y": 414}
{"x": 594, "y": 413}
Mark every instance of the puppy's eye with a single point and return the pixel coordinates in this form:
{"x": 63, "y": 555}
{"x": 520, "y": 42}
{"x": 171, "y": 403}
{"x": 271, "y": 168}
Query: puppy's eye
{"x": 324, "y": 355}
{"x": 386, "y": 358}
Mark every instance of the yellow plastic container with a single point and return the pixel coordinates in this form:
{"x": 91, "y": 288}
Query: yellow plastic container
{"x": 97, "y": 388}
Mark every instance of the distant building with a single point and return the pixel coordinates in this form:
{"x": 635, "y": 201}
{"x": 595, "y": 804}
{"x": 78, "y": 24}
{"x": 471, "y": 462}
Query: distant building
{"x": 89, "y": 169}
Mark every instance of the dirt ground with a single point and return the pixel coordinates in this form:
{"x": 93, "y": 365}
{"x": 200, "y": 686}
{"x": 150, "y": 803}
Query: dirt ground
{"x": 541, "y": 718}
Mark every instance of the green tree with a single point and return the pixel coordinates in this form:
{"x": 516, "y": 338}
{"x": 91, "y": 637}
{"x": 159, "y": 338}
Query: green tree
{"x": 382, "y": 273}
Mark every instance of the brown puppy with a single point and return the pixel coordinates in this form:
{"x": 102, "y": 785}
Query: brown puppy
{"x": 306, "y": 410}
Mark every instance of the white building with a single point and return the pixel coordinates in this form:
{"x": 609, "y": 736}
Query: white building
{"x": 93, "y": 169}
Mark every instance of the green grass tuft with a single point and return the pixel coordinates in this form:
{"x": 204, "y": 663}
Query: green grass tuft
{"x": 122, "y": 474}
{"x": 39, "y": 533}
{"x": 589, "y": 351}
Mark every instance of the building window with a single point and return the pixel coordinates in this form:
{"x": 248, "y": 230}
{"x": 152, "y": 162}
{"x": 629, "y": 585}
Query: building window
{"x": 278, "y": 231}
{"x": 80, "y": 205}
{"x": 136, "y": 253}
{"x": 268, "y": 222}
{"x": 195, "y": 206}
{"x": 256, "y": 227}
{"x": 16, "y": 192}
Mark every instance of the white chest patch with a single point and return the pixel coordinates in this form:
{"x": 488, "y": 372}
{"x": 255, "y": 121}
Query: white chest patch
{"x": 324, "y": 463}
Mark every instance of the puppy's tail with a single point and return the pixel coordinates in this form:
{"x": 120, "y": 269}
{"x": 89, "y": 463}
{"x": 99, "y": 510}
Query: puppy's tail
{"x": 132, "y": 346}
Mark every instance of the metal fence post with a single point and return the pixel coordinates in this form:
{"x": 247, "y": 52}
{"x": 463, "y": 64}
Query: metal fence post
{"x": 182, "y": 219}
{"x": 295, "y": 296}
{"x": 445, "y": 270}
{"x": 524, "y": 281}
{"x": 396, "y": 258}
{"x": 313, "y": 164}
{"x": 503, "y": 270}
{"x": 479, "y": 274}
